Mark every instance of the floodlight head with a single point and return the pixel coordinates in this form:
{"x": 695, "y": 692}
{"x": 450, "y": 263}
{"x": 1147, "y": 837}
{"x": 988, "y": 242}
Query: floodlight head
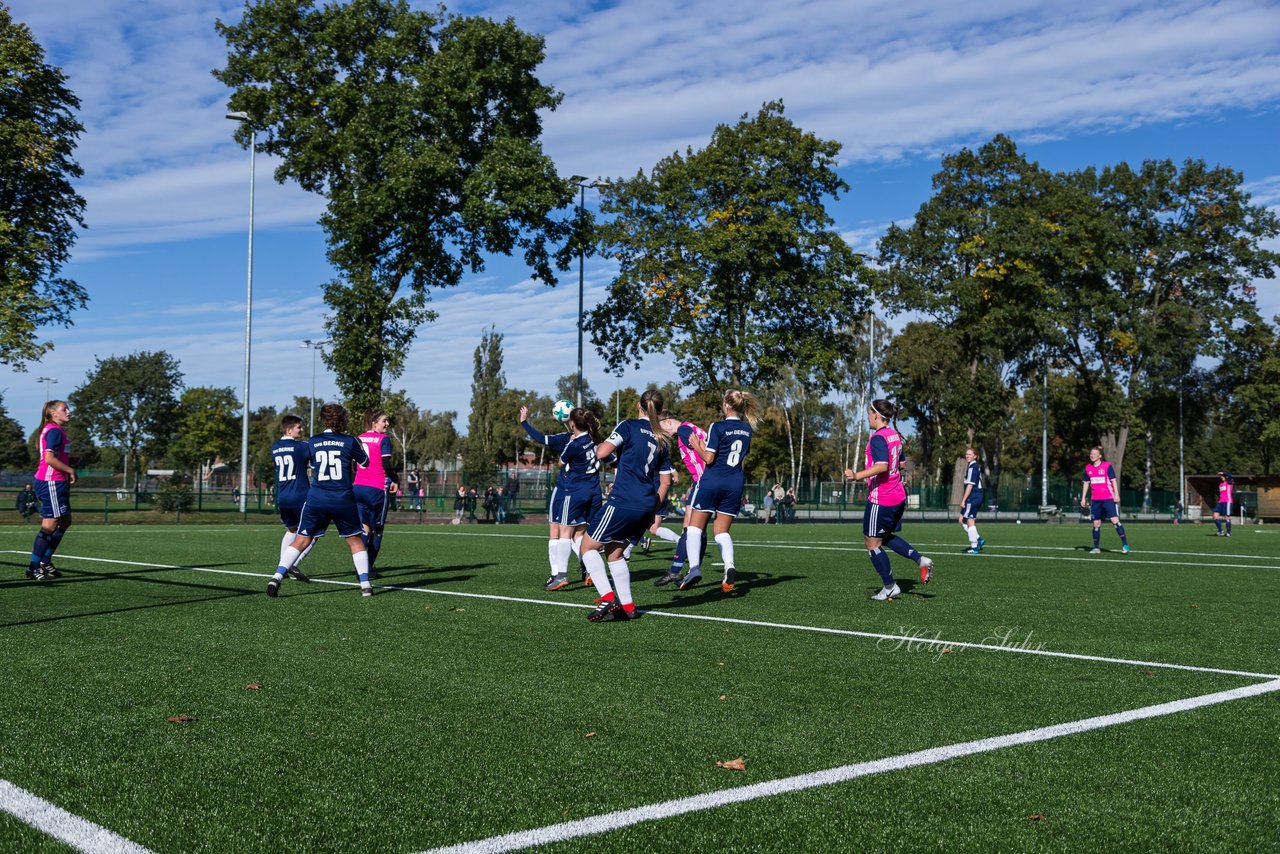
{"x": 239, "y": 116}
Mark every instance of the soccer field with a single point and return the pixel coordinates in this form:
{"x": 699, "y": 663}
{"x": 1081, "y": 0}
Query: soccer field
{"x": 1032, "y": 697}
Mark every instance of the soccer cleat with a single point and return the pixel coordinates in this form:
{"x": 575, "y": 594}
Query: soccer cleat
{"x": 1095, "y": 551}
{"x": 688, "y": 582}
{"x": 1125, "y": 548}
{"x": 730, "y": 575}
{"x": 1218, "y": 534}
{"x": 557, "y": 582}
{"x": 608, "y": 612}
{"x": 273, "y": 587}
{"x": 926, "y": 570}
{"x": 887, "y": 593}
{"x": 981, "y": 542}
{"x": 645, "y": 542}
{"x": 969, "y": 551}
{"x": 366, "y": 592}
{"x": 671, "y": 576}
{"x": 50, "y": 571}
{"x": 35, "y": 573}
{"x": 299, "y": 575}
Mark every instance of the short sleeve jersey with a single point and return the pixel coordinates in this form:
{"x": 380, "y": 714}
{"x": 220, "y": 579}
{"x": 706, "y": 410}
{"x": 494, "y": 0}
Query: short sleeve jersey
{"x": 1099, "y": 478}
{"x": 291, "y": 457}
{"x": 973, "y": 475}
{"x": 885, "y": 488}
{"x": 335, "y": 457}
{"x": 642, "y": 460}
{"x": 731, "y": 440}
{"x": 53, "y": 438}
{"x": 1226, "y": 492}
{"x": 692, "y": 461}
{"x": 579, "y": 468}
{"x": 378, "y": 447}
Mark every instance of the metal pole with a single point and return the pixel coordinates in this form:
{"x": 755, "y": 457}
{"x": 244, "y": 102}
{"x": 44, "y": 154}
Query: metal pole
{"x": 248, "y": 319}
{"x": 582, "y": 206}
{"x": 1044, "y": 439}
{"x": 1182, "y": 460}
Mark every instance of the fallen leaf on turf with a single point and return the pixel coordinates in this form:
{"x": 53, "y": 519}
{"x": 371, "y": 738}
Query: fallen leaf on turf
{"x": 590, "y": 735}
{"x": 1149, "y": 672}
{"x": 720, "y": 663}
{"x": 1036, "y": 817}
{"x": 1195, "y": 606}
{"x": 181, "y": 719}
{"x": 738, "y": 764}
{"x": 252, "y": 686}
{"x": 946, "y": 650}
{"x": 722, "y": 696}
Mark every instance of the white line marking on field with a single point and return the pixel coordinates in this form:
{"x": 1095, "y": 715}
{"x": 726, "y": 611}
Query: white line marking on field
{"x": 653, "y": 812}
{"x": 78, "y": 833}
{"x": 877, "y": 636}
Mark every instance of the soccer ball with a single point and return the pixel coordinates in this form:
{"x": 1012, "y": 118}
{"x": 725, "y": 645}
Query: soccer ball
{"x": 561, "y": 410}
{"x": 1019, "y": 521}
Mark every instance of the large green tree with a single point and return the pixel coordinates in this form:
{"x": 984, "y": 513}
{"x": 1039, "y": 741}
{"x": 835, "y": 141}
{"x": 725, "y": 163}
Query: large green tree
{"x": 208, "y": 427}
{"x": 728, "y": 259}
{"x": 39, "y": 208}
{"x": 421, "y": 130}
{"x": 14, "y": 453}
{"x": 487, "y": 385}
{"x": 131, "y": 402}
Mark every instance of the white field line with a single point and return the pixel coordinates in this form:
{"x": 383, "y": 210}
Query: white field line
{"x": 917, "y": 641}
{"x": 666, "y": 809}
{"x": 76, "y": 832}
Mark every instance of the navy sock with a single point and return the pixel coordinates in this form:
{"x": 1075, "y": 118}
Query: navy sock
{"x": 880, "y": 561}
{"x": 1217, "y": 523}
{"x": 681, "y": 545}
{"x": 1120, "y": 531}
{"x": 1097, "y": 537}
{"x": 55, "y": 539}
{"x": 902, "y": 547}
{"x": 1228, "y": 524}
{"x": 39, "y": 548}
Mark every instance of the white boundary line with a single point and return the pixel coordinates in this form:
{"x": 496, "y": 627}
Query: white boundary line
{"x": 666, "y": 809}
{"x": 76, "y": 832}
{"x": 918, "y": 641}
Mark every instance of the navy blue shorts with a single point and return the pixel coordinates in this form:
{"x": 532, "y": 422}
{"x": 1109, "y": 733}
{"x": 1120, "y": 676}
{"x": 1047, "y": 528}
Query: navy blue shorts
{"x": 373, "y": 506}
{"x": 291, "y": 517}
{"x": 572, "y": 509}
{"x": 969, "y": 510}
{"x": 316, "y": 518}
{"x": 1223, "y": 508}
{"x": 719, "y": 499}
{"x": 879, "y": 520}
{"x": 1101, "y": 509}
{"x": 55, "y": 498}
{"x": 614, "y": 524}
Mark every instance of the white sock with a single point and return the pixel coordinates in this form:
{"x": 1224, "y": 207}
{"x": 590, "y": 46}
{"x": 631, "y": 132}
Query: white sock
{"x": 595, "y": 568}
{"x": 621, "y": 580}
{"x": 725, "y": 542}
{"x": 311, "y": 545}
{"x": 361, "y": 560}
{"x": 972, "y": 531}
{"x": 285, "y": 541}
{"x": 693, "y": 548}
{"x": 669, "y": 535}
{"x": 577, "y": 545}
{"x": 288, "y": 559}
{"x": 626, "y": 553}
{"x": 553, "y": 548}
{"x": 560, "y": 561}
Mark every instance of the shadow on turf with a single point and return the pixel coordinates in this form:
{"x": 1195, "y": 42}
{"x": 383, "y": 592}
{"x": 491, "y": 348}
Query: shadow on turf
{"x": 708, "y": 590}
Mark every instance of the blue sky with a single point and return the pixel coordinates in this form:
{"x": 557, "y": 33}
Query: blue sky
{"x": 898, "y": 83}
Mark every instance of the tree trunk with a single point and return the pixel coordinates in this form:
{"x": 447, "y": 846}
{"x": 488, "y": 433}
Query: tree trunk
{"x": 1146, "y": 474}
{"x": 1113, "y": 444}
{"x": 957, "y": 483}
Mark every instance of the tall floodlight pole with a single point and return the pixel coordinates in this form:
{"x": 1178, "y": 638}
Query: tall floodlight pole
{"x": 1044, "y": 437}
{"x": 1182, "y": 460}
{"x": 581, "y": 183}
{"x": 48, "y": 381}
{"x": 315, "y": 348}
{"x": 248, "y": 319}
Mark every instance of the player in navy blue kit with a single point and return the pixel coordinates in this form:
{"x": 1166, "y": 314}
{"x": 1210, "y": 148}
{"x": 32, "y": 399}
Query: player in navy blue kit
{"x": 334, "y": 457}
{"x": 577, "y": 491}
{"x": 291, "y": 455}
{"x": 971, "y": 502}
{"x": 719, "y": 490}
{"x": 640, "y": 485}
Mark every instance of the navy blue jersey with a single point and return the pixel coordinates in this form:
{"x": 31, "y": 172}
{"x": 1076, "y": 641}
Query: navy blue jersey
{"x": 642, "y": 460}
{"x": 334, "y": 457}
{"x": 730, "y": 439}
{"x": 974, "y": 475}
{"x": 291, "y": 457}
{"x": 579, "y": 468}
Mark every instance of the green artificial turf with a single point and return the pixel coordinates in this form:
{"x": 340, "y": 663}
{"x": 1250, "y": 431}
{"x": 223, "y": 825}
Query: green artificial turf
{"x": 419, "y": 718}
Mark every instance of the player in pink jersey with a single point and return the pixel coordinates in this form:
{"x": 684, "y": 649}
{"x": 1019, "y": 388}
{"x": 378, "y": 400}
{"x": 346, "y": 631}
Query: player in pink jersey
{"x": 1099, "y": 496}
{"x": 684, "y": 431}
{"x": 886, "y": 500}
{"x": 1226, "y": 498}
{"x": 370, "y": 485}
{"x": 53, "y": 479}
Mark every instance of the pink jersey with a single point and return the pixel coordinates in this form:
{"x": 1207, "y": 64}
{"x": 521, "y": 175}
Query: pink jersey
{"x": 374, "y": 474}
{"x": 1226, "y": 492}
{"x": 44, "y": 471}
{"x": 886, "y": 489}
{"x": 692, "y": 461}
{"x": 1099, "y": 478}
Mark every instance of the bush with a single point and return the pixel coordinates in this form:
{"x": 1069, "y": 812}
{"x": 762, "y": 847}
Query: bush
{"x": 174, "y": 497}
